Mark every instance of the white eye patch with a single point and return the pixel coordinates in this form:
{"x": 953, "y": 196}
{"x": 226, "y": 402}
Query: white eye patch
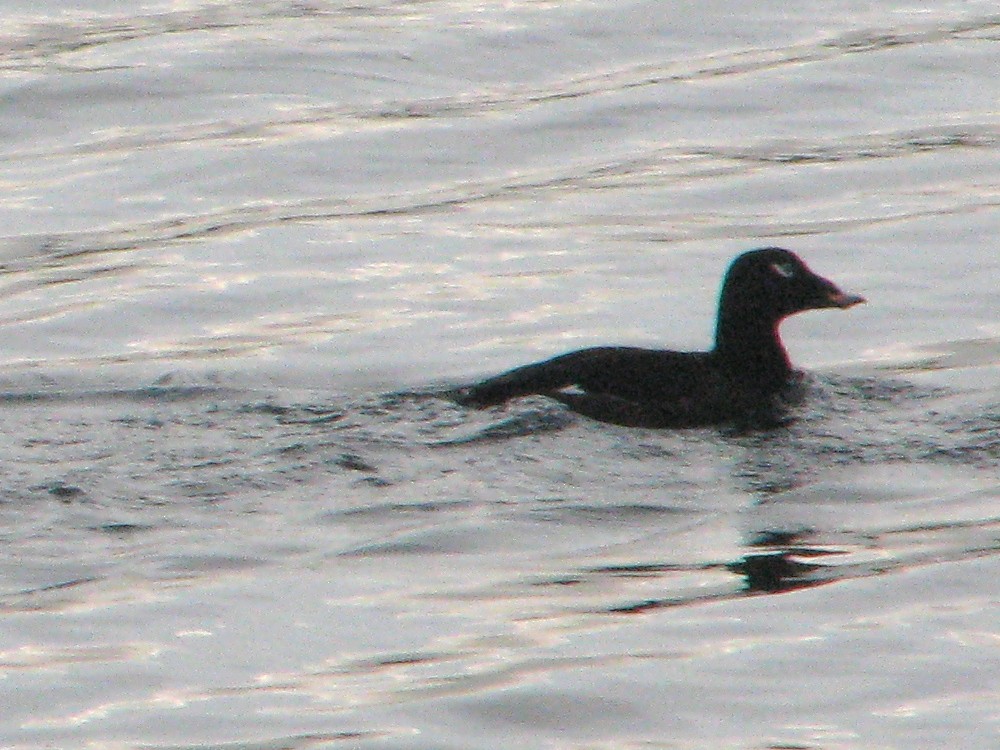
{"x": 784, "y": 270}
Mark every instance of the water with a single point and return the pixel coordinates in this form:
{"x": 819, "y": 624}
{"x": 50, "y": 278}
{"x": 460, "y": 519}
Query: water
{"x": 242, "y": 247}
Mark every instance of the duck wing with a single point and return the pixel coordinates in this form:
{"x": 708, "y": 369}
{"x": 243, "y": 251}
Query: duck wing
{"x": 615, "y": 372}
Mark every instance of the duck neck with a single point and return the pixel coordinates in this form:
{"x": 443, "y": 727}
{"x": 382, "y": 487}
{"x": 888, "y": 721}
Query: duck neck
{"x": 749, "y": 348}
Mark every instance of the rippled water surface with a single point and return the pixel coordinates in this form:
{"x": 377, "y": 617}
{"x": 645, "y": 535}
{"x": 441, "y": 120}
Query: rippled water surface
{"x": 244, "y": 249}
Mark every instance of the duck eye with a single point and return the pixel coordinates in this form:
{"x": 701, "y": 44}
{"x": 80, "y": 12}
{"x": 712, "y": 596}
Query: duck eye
{"x": 784, "y": 270}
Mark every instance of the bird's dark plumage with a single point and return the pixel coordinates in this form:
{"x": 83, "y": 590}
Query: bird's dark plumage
{"x": 737, "y": 380}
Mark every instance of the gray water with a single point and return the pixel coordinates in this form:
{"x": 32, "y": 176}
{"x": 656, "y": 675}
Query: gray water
{"x": 243, "y": 246}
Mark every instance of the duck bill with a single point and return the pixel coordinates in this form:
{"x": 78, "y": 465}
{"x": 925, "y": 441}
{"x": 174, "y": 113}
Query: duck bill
{"x": 843, "y": 300}
{"x": 828, "y": 294}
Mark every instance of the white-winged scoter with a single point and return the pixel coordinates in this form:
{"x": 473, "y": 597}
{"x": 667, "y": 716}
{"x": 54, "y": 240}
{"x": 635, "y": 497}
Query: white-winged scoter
{"x": 737, "y": 381}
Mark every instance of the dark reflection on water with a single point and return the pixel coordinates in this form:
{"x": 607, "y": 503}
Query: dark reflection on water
{"x": 757, "y": 573}
{"x": 776, "y": 572}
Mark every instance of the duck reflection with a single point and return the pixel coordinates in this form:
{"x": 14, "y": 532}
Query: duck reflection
{"x": 775, "y": 572}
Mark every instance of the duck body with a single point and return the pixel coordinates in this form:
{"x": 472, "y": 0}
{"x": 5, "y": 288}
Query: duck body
{"x": 740, "y": 379}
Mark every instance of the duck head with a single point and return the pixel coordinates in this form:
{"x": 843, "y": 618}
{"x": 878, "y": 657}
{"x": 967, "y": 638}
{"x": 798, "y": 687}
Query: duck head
{"x": 772, "y": 283}
{"x": 760, "y": 289}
